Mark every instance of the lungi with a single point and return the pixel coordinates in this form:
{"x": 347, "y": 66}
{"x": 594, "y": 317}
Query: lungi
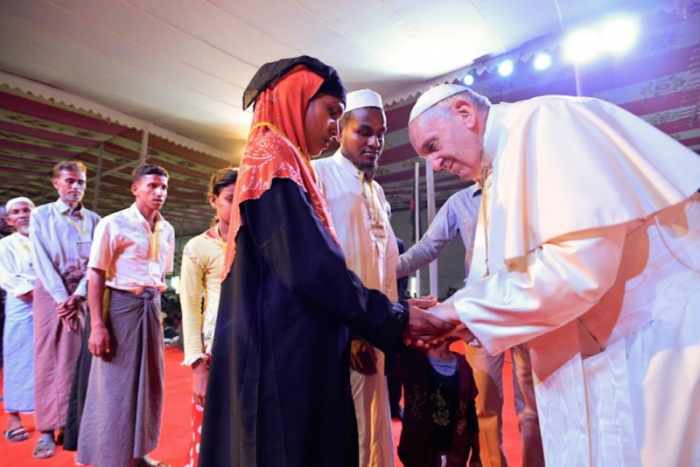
{"x": 56, "y": 351}
{"x": 18, "y": 356}
{"x": 78, "y": 392}
{"x": 122, "y": 415}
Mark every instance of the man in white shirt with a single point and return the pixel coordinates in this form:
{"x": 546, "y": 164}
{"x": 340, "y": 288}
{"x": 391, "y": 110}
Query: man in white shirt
{"x": 17, "y": 277}
{"x": 591, "y": 228}
{"x": 358, "y": 209}
{"x": 61, "y": 234}
{"x": 132, "y": 253}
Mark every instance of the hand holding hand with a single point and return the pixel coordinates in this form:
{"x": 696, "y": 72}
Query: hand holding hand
{"x": 363, "y": 358}
{"x": 70, "y": 307}
{"x": 425, "y": 330}
{"x": 446, "y": 311}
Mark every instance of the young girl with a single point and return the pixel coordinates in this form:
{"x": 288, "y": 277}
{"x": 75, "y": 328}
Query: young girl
{"x": 440, "y": 426}
{"x": 202, "y": 265}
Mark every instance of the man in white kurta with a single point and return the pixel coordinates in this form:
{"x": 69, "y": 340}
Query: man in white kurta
{"x": 17, "y": 278}
{"x": 358, "y": 208}
{"x": 592, "y": 235}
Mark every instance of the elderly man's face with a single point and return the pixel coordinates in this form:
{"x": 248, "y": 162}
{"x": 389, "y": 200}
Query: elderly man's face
{"x": 70, "y": 186}
{"x": 450, "y": 140}
{"x": 18, "y": 217}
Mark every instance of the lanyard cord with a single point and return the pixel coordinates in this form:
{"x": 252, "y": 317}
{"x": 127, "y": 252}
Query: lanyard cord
{"x": 364, "y": 195}
{"x": 218, "y": 236}
{"x": 155, "y": 242}
{"x": 80, "y": 229}
{"x": 24, "y": 245}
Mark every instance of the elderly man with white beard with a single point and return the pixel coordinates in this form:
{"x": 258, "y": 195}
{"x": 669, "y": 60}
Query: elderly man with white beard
{"x": 17, "y": 278}
{"x": 591, "y": 228}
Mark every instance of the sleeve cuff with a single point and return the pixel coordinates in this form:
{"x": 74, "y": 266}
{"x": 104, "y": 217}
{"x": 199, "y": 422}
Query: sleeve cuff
{"x": 23, "y": 288}
{"x": 189, "y": 361}
{"x": 395, "y": 327}
{"x": 82, "y": 288}
{"x": 59, "y": 296}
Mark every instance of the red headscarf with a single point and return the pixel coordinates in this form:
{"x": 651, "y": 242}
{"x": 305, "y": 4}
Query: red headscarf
{"x": 277, "y": 148}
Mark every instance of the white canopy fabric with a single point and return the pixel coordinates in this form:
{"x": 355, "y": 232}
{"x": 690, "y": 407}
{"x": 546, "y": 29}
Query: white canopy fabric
{"x": 183, "y": 64}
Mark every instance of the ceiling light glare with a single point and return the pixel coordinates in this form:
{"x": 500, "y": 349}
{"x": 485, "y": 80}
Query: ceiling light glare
{"x": 581, "y": 46}
{"x": 505, "y": 68}
{"x": 618, "y": 35}
{"x": 468, "y": 79}
{"x": 543, "y": 61}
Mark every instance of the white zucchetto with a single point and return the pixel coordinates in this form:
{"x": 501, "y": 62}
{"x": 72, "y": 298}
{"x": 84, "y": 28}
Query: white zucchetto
{"x": 432, "y": 97}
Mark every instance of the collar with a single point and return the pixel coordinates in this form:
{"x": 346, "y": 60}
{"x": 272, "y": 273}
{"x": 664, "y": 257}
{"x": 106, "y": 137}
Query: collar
{"x": 494, "y": 135}
{"x": 136, "y": 215}
{"x": 345, "y": 164}
{"x": 63, "y": 207}
{"x": 476, "y": 189}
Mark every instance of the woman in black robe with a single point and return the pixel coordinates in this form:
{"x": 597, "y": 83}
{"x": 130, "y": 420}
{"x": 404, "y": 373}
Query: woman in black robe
{"x": 279, "y": 385}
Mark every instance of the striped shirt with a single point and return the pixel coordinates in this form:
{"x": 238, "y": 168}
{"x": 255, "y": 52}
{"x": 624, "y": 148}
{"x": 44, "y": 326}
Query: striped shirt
{"x": 459, "y": 214}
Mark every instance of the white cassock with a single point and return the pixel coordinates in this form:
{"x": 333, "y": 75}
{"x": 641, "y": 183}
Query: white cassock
{"x": 372, "y": 253}
{"x": 594, "y": 258}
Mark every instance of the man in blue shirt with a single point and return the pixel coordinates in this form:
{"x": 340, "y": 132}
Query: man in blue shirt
{"x": 459, "y": 215}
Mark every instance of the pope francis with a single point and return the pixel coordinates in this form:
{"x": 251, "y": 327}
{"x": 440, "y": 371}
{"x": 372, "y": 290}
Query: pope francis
{"x": 590, "y": 230}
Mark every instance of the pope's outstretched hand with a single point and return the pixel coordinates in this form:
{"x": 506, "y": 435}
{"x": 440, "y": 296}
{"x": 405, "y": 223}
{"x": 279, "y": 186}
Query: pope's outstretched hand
{"x": 423, "y": 329}
{"x": 447, "y": 312}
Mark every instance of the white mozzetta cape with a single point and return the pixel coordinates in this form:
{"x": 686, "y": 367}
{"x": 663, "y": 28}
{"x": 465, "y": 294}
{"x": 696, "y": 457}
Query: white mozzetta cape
{"x": 594, "y": 254}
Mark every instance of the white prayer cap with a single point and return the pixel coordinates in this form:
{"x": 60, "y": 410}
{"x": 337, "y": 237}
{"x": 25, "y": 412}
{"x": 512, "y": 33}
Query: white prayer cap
{"x": 13, "y": 201}
{"x": 363, "y": 98}
{"x": 433, "y": 96}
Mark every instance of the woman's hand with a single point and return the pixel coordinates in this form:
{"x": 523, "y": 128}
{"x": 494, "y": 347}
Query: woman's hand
{"x": 199, "y": 382}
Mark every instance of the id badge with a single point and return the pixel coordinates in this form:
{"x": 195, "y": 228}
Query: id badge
{"x": 379, "y": 236}
{"x": 155, "y": 270}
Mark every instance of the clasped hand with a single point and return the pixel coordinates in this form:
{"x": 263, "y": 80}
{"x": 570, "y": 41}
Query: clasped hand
{"x": 424, "y": 330}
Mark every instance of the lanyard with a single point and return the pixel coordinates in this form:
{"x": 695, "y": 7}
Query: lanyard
{"x": 364, "y": 195}
{"x": 273, "y": 127}
{"x": 155, "y": 242}
{"x": 24, "y": 245}
{"x": 221, "y": 240}
{"x": 80, "y": 229}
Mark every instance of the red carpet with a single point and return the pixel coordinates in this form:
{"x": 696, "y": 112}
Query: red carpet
{"x": 175, "y": 435}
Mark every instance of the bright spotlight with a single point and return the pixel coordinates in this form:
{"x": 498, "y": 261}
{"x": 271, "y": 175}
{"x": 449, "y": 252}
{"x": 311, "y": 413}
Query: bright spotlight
{"x": 505, "y": 68}
{"x": 618, "y": 34}
{"x": 581, "y": 46}
{"x": 543, "y": 61}
{"x": 468, "y": 79}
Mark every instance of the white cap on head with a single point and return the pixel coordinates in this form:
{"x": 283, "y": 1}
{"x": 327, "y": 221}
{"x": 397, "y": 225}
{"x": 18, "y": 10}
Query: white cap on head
{"x": 433, "y": 96}
{"x": 363, "y": 98}
{"x": 20, "y": 199}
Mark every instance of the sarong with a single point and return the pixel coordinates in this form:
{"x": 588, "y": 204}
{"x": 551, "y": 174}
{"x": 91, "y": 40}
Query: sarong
{"x": 122, "y": 415}
{"x": 78, "y": 392}
{"x": 18, "y": 356}
{"x": 56, "y": 352}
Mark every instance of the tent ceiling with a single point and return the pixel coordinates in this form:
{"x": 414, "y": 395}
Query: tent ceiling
{"x": 183, "y": 64}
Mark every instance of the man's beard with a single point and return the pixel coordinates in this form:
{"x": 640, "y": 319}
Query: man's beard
{"x": 74, "y": 198}
{"x": 24, "y": 230}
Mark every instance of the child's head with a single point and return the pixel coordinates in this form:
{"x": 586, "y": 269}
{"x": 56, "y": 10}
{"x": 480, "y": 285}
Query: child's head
{"x": 443, "y": 348}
